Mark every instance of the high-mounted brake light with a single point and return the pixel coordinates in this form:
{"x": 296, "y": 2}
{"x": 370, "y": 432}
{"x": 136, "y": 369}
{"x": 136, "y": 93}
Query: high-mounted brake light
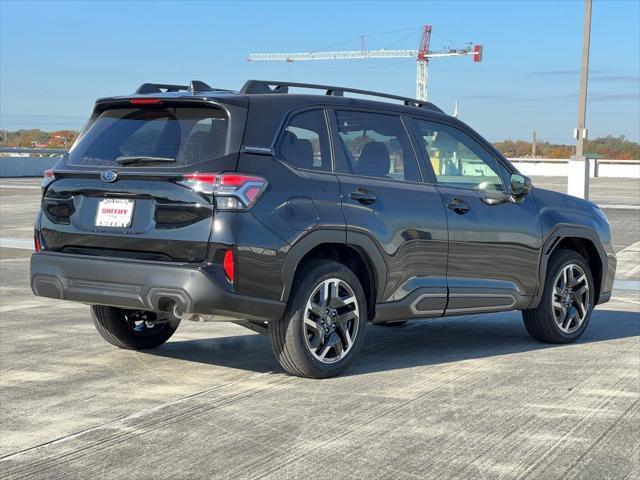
{"x": 145, "y": 101}
{"x": 232, "y": 191}
{"x": 48, "y": 176}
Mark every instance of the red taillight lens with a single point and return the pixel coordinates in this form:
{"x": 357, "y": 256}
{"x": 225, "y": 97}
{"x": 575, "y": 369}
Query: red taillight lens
{"x": 145, "y": 101}
{"x": 232, "y": 191}
{"x": 204, "y": 178}
{"x": 36, "y": 242}
{"x": 48, "y": 176}
{"x": 228, "y": 264}
{"x": 235, "y": 180}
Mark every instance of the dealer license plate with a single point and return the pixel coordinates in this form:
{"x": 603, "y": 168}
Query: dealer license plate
{"x": 114, "y": 212}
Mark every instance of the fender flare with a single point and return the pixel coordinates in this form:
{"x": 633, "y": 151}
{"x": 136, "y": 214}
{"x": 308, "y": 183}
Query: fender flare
{"x": 554, "y": 237}
{"x": 364, "y": 243}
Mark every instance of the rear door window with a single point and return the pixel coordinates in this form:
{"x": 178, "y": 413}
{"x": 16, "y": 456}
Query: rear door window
{"x": 305, "y": 141}
{"x": 176, "y": 136}
{"x": 375, "y": 145}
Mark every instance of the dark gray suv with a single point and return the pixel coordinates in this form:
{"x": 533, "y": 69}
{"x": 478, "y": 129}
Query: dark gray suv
{"x": 306, "y": 217}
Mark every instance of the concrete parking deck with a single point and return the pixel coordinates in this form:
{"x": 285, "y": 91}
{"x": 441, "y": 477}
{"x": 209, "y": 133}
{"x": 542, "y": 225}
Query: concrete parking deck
{"x": 463, "y": 397}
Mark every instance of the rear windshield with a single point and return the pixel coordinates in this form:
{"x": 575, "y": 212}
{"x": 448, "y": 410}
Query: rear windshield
{"x": 173, "y": 136}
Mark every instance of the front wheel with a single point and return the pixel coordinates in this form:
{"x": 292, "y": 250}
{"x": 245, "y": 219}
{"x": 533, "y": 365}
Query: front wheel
{"x": 567, "y": 301}
{"x": 132, "y": 329}
{"x": 323, "y": 326}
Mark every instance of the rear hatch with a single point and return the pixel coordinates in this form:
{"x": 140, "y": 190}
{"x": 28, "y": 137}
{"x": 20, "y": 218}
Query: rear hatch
{"x": 119, "y": 193}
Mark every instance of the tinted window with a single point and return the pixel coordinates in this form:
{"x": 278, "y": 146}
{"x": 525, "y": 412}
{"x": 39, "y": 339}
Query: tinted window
{"x": 305, "y": 141}
{"x": 375, "y": 145}
{"x": 188, "y": 135}
{"x": 457, "y": 159}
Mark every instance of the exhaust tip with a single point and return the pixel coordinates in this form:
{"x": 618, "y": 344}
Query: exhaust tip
{"x": 176, "y": 311}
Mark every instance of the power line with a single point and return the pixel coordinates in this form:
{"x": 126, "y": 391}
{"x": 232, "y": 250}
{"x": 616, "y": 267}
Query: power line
{"x": 366, "y": 35}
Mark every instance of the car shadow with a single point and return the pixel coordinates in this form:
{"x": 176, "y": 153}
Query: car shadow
{"x": 418, "y": 343}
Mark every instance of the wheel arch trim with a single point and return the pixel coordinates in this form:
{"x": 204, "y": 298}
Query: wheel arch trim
{"x": 371, "y": 255}
{"x": 550, "y": 245}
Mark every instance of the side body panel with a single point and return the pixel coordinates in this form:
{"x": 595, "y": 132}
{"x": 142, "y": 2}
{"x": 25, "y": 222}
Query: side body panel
{"x": 494, "y": 238}
{"x": 407, "y": 224}
{"x": 295, "y": 204}
{"x": 494, "y": 252}
{"x": 563, "y": 216}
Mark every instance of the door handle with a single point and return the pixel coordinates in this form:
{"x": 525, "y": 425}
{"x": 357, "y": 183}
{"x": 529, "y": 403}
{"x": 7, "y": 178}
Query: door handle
{"x": 458, "y": 206}
{"x": 363, "y": 196}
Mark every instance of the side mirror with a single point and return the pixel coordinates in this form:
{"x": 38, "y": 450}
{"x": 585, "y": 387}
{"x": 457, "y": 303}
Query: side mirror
{"x": 520, "y": 185}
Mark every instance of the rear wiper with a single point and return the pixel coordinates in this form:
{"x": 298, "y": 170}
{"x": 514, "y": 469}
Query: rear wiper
{"x": 139, "y": 159}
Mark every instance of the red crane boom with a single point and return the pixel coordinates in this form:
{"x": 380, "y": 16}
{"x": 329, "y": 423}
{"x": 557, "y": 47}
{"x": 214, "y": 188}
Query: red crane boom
{"x": 424, "y": 43}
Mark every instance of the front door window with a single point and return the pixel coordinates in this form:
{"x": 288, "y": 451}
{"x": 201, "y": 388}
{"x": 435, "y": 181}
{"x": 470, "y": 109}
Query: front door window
{"x": 457, "y": 160}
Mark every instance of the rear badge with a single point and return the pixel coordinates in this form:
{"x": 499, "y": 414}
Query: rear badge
{"x": 108, "y": 176}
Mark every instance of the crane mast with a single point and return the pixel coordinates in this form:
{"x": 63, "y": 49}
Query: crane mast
{"x": 423, "y": 63}
{"x": 422, "y": 56}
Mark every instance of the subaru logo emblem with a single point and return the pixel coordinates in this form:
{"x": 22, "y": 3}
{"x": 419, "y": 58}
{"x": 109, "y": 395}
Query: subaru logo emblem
{"x": 108, "y": 176}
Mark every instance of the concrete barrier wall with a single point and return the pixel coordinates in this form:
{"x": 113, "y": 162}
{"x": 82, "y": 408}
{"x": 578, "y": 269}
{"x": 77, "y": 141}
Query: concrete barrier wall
{"x": 25, "y": 166}
{"x": 559, "y": 167}
{"x": 618, "y": 170}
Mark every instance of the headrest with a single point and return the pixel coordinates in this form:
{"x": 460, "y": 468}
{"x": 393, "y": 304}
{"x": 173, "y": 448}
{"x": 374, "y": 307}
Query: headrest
{"x": 297, "y": 151}
{"x": 374, "y": 160}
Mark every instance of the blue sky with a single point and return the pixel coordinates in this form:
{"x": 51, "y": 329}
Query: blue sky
{"x": 56, "y": 58}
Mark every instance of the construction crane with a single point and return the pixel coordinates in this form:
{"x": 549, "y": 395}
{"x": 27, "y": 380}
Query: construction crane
{"x": 422, "y": 56}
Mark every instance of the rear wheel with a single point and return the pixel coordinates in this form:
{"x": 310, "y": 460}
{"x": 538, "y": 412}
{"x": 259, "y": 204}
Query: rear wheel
{"x": 132, "y": 329}
{"x": 323, "y": 326}
{"x": 567, "y": 302}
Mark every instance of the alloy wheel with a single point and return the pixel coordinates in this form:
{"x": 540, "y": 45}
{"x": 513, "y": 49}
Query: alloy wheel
{"x": 140, "y": 321}
{"x": 331, "y": 319}
{"x": 570, "y": 299}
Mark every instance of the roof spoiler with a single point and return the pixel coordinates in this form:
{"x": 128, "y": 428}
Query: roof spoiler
{"x": 193, "y": 87}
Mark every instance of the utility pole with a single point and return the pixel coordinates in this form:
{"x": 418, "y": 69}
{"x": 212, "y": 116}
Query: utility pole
{"x": 533, "y": 145}
{"x": 578, "y": 181}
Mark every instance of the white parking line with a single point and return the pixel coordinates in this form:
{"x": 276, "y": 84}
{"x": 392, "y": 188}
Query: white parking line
{"x": 625, "y": 300}
{"x": 619, "y": 206}
{"x": 35, "y": 303}
{"x": 16, "y": 243}
{"x": 626, "y": 285}
{"x": 628, "y": 265}
{"x": 21, "y": 187}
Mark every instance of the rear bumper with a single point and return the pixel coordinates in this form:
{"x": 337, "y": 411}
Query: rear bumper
{"x": 142, "y": 285}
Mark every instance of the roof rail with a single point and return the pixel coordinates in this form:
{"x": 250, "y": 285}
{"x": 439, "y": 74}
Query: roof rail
{"x": 194, "y": 86}
{"x": 265, "y": 86}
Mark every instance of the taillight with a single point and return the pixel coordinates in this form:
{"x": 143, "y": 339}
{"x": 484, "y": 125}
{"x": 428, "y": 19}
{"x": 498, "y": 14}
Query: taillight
{"x": 232, "y": 191}
{"x": 47, "y": 177}
{"x": 36, "y": 242}
{"x": 228, "y": 265}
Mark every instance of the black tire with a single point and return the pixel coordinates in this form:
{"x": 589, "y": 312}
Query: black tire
{"x": 289, "y": 334}
{"x": 117, "y": 328}
{"x": 540, "y": 322}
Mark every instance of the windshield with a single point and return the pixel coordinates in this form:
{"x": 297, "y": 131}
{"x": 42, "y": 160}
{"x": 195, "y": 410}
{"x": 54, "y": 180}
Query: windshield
{"x": 166, "y": 136}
